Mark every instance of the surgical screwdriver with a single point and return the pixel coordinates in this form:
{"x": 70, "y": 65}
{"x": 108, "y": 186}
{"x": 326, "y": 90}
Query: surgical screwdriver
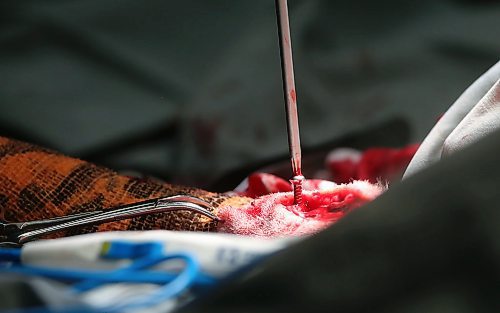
{"x": 290, "y": 94}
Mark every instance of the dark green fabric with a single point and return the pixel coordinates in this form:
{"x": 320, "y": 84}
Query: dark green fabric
{"x": 187, "y": 90}
{"x": 429, "y": 244}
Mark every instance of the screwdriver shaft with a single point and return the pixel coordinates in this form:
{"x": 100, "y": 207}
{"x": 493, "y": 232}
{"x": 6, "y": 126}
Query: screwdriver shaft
{"x": 290, "y": 97}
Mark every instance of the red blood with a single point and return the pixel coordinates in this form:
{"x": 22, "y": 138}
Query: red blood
{"x": 293, "y": 95}
{"x": 375, "y": 164}
{"x": 275, "y": 215}
{"x": 385, "y": 164}
{"x": 273, "y": 212}
{"x": 343, "y": 171}
{"x": 259, "y": 184}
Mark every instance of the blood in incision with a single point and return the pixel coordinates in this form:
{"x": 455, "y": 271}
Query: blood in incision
{"x": 325, "y": 206}
{"x": 276, "y": 215}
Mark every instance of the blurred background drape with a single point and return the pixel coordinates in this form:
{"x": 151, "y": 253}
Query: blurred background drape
{"x": 188, "y": 90}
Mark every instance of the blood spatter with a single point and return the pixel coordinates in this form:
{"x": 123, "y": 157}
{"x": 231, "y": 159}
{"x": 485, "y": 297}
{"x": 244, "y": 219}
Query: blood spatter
{"x": 275, "y": 215}
{"x": 293, "y": 95}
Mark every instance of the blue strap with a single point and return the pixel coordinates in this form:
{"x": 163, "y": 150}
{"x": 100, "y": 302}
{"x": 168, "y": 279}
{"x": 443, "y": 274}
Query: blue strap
{"x": 10, "y": 255}
{"x": 144, "y": 256}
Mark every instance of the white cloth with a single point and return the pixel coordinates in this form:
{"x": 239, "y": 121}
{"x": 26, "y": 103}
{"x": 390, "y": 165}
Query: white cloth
{"x": 474, "y": 114}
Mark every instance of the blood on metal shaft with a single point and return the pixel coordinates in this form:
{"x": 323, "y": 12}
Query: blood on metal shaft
{"x": 290, "y": 97}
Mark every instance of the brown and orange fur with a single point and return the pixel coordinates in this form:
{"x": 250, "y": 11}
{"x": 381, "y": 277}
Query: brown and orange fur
{"x": 37, "y": 183}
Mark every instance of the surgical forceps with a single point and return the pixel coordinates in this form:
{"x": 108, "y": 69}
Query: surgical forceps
{"x": 15, "y": 234}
